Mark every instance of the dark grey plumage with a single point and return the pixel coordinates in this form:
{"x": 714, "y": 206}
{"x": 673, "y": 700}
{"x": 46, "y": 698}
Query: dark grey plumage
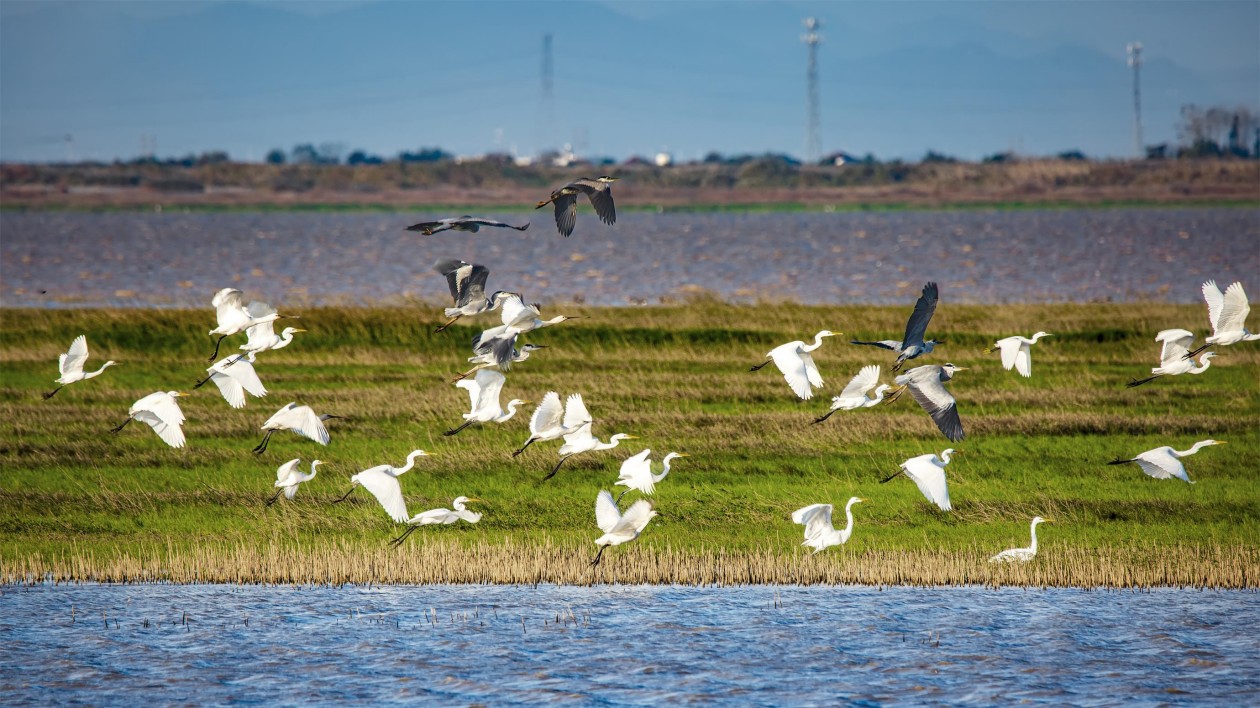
{"x": 927, "y": 385}
{"x": 469, "y": 224}
{"x": 912, "y": 344}
{"x": 598, "y": 190}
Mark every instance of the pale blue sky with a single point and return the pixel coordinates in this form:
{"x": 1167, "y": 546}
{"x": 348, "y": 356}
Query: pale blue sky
{"x": 897, "y": 78}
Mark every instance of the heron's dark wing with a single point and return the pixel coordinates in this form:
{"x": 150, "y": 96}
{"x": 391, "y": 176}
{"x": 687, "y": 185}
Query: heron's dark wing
{"x": 451, "y": 269}
{"x": 601, "y": 198}
{"x": 886, "y": 344}
{"x": 490, "y": 222}
{"x": 918, "y": 322}
{"x": 566, "y": 213}
{"x": 429, "y": 228}
{"x": 937, "y": 401}
{"x": 473, "y": 285}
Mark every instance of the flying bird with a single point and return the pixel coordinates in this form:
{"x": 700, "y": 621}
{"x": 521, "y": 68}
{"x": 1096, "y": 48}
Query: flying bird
{"x": 1228, "y": 314}
{"x": 581, "y": 440}
{"x": 1174, "y": 358}
{"x": 1015, "y": 352}
{"x": 912, "y": 344}
{"x": 234, "y": 375}
{"x": 854, "y": 394}
{"x": 467, "y": 283}
{"x": 468, "y": 224}
{"x": 288, "y": 477}
{"x": 1165, "y": 463}
{"x": 382, "y": 482}
{"x": 549, "y": 421}
{"x": 486, "y": 361}
{"x": 1021, "y": 555}
{"x": 71, "y": 365}
{"x": 434, "y": 517}
{"x": 819, "y": 531}
{"x": 927, "y": 385}
{"x": 636, "y": 473}
{"x": 262, "y": 337}
{"x": 234, "y": 317}
{"x": 598, "y": 190}
{"x": 619, "y": 528}
{"x": 160, "y": 411}
{"x": 500, "y": 342}
{"x": 297, "y": 419}
{"x": 928, "y": 473}
{"x": 483, "y": 392}
{"x": 794, "y": 360}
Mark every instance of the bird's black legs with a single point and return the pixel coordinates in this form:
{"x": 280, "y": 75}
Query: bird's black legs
{"x": 825, "y": 417}
{"x": 1119, "y": 461}
{"x": 1139, "y": 382}
{"x": 891, "y": 397}
{"x": 466, "y": 374}
{"x": 1193, "y": 354}
{"x": 446, "y": 324}
{"x": 53, "y": 392}
{"x": 344, "y": 496}
{"x": 598, "y": 556}
{"x": 202, "y": 382}
{"x": 527, "y": 444}
{"x": 619, "y": 496}
{"x": 216, "y": 348}
{"x": 556, "y": 469}
{"x": 456, "y": 430}
{"x": 398, "y": 541}
{"x": 760, "y": 366}
{"x": 275, "y": 496}
{"x": 262, "y": 446}
{"x": 121, "y": 426}
{"x": 891, "y": 476}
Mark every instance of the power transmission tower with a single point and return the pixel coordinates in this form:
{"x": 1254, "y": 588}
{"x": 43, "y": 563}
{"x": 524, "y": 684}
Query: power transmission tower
{"x": 1135, "y": 61}
{"x": 548, "y": 99}
{"x": 811, "y": 38}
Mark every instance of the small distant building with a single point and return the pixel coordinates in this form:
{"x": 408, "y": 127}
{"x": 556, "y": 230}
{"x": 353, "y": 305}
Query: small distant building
{"x": 839, "y": 159}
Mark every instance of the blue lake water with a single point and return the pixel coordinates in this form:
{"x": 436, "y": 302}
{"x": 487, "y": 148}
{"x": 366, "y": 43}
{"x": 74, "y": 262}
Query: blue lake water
{"x": 627, "y": 645}
{"x": 60, "y": 259}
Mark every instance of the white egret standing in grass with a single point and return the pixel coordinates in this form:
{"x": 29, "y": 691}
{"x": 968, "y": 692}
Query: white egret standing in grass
{"x": 382, "y": 482}
{"x": 1015, "y": 352}
{"x": 434, "y": 517}
{"x": 297, "y": 419}
{"x": 517, "y": 317}
{"x": 483, "y": 391}
{"x": 288, "y": 477}
{"x": 928, "y": 473}
{"x": 581, "y": 440}
{"x": 71, "y": 365}
{"x": 487, "y": 360}
{"x": 619, "y": 528}
{"x": 234, "y": 317}
{"x": 636, "y": 473}
{"x": 467, "y": 283}
{"x": 912, "y": 344}
{"x": 161, "y": 412}
{"x": 854, "y": 394}
{"x": 927, "y": 385}
{"x": 598, "y": 190}
{"x": 1164, "y": 462}
{"x": 1228, "y": 314}
{"x": 551, "y": 421}
{"x": 234, "y": 375}
{"x": 797, "y": 365}
{"x": 819, "y": 531}
{"x": 1021, "y": 555}
{"x": 1174, "y": 358}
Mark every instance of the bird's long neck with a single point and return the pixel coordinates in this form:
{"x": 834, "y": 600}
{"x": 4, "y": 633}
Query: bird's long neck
{"x": 1204, "y": 363}
{"x": 1035, "y": 337}
{"x": 411, "y": 462}
{"x": 1193, "y": 449}
{"x": 848, "y": 527}
{"x": 1033, "y": 528}
{"x": 818, "y": 339}
{"x": 613, "y": 442}
{"x": 511, "y": 411}
{"x": 944, "y": 459}
{"x": 1249, "y": 337}
{"x": 313, "y": 466}
{"x": 554, "y": 320}
{"x": 96, "y": 373}
{"x": 285, "y": 339}
{"x": 665, "y": 471}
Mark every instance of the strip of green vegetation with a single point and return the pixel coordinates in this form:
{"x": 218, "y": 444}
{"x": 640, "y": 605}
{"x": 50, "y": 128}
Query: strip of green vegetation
{"x": 678, "y": 378}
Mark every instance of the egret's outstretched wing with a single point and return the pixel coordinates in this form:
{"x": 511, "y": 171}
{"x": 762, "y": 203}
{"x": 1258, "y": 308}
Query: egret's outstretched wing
{"x": 287, "y": 469}
{"x": 548, "y": 415}
{"x": 930, "y": 480}
{"x": 795, "y": 371}
{"x": 566, "y": 213}
{"x": 1215, "y": 301}
{"x": 1177, "y": 343}
{"x": 636, "y": 517}
{"x": 575, "y": 412}
{"x": 231, "y": 389}
{"x": 636, "y": 473}
{"x": 916, "y": 326}
{"x": 1234, "y": 310}
{"x": 606, "y": 515}
{"x": 387, "y": 491}
{"x": 1008, "y": 347}
{"x": 490, "y": 383}
{"x": 1023, "y": 360}
{"x": 866, "y": 379}
{"x": 229, "y": 308}
{"x": 73, "y": 360}
{"x": 811, "y": 370}
{"x": 169, "y": 431}
{"x": 515, "y": 312}
{"x": 817, "y": 520}
{"x": 303, "y": 421}
{"x": 473, "y": 387}
{"x": 260, "y": 335}
{"x": 1161, "y": 469}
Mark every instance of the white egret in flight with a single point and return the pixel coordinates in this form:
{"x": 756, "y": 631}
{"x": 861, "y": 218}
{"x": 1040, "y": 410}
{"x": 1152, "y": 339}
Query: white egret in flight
{"x": 161, "y": 412}
{"x": 288, "y": 477}
{"x": 927, "y": 385}
{"x": 234, "y": 317}
{"x": 581, "y": 440}
{"x": 1165, "y": 463}
{"x": 928, "y": 473}
{"x": 1174, "y": 357}
{"x": 434, "y": 517}
{"x": 1228, "y": 314}
{"x": 297, "y": 419}
{"x": 619, "y": 528}
{"x": 262, "y": 336}
{"x": 234, "y": 375}
{"x": 819, "y": 532}
{"x": 467, "y": 283}
{"x": 1015, "y": 352}
{"x": 912, "y": 344}
{"x": 550, "y": 421}
{"x": 636, "y": 472}
{"x": 467, "y": 224}
{"x": 1021, "y": 555}
{"x": 598, "y": 190}
{"x": 483, "y": 392}
{"x": 382, "y": 482}
{"x": 71, "y": 365}
{"x": 517, "y": 318}
{"x": 797, "y": 365}
{"x": 854, "y": 394}
{"x": 486, "y": 361}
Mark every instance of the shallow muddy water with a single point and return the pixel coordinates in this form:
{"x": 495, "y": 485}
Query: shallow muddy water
{"x": 626, "y": 645}
{"x": 59, "y": 259}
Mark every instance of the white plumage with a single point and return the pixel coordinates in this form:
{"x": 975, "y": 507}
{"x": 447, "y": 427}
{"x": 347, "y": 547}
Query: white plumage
{"x": 288, "y": 477}
{"x": 619, "y": 528}
{"x": 382, "y": 482}
{"x": 854, "y": 394}
{"x": 1165, "y": 463}
{"x": 161, "y": 412}
{"x": 300, "y": 420}
{"x": 70, "y": 365}
{"x": 819, "y": 531}
{"x": 483, "y": 394}
{"x": 636, "y": 472}
{"x": 234, "y": 375}
{"x": 1016, "y": 352}
{"x": 577, "y": 418}
{"x": 928, "y": 473}
{"x": 548, "y": 421}
{"x": 797, "y": 366}
{"x": 1228, "y": 314}
{"x": 1021, "y": 555}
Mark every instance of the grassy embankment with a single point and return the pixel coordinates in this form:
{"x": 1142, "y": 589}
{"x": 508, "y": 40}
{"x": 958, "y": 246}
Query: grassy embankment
{"x": 79, "y": 503}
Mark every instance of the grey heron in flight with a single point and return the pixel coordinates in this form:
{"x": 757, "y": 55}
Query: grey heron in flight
{"x": 468, "y": 289}
{"x": 598, "y": 190}
{"x": 469, "y": 224}
{"x": 927, "y": 385}
{"x": 1228, "y": 314}
{"x": 1173, "y": 357}
{"x": 912, "y": 344}
{"x": 487, "y": 360}
{"x": 517, "y": 318}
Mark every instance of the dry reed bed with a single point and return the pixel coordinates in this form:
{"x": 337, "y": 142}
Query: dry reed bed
{"x": 1132, "y": 566}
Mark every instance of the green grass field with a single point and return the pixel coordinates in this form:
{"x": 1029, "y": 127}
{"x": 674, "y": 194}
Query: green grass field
{"x": 77, "y": 502}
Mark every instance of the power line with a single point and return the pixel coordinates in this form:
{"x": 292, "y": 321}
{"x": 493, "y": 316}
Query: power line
{"x": 813, "y": 141}
{"x": 1135, "y": 61}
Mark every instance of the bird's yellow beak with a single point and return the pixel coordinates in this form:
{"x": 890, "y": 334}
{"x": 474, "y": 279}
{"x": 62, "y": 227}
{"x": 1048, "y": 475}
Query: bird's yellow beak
{"x": 1047, "y": 521}
{"x": 631, "y": 437}
{"x": 483, "y": 501}
{"x": 961, "y": 368}
{"x": 681, "y": 454}
{"x": 1220, "y": 442}
{"x": 526, "y": 403}
{"x": 181, "y": 393}
{"x": 861, "y": 500}
{"x": 298, "y": 330}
